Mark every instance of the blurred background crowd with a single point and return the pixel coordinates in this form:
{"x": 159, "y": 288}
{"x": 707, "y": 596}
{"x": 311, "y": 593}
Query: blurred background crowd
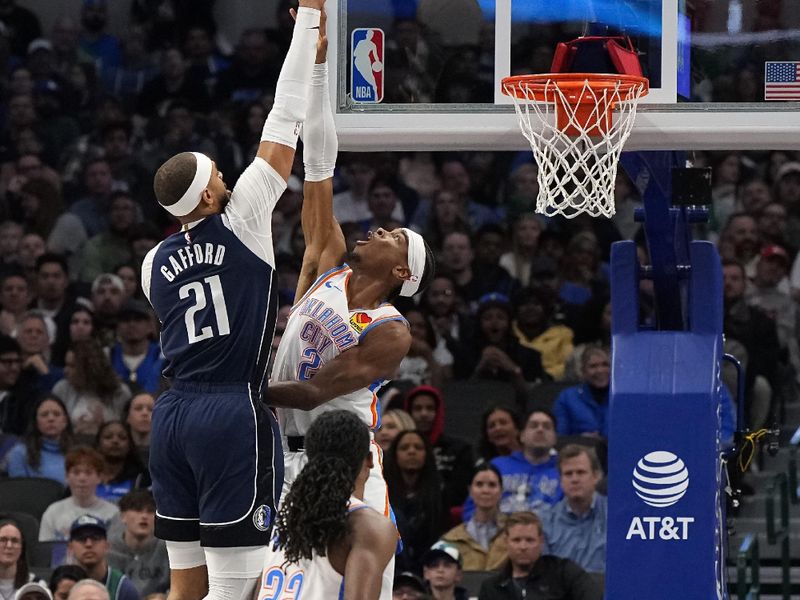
{"x": 513, "y": 335}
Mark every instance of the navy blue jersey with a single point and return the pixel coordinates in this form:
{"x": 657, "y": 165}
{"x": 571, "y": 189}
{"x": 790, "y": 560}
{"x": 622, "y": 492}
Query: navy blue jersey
{"x": 212, "y": 287}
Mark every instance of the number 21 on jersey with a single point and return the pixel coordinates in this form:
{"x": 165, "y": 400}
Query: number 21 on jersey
{"x": 280, "y": 585}
{"x": 197, "y": 289}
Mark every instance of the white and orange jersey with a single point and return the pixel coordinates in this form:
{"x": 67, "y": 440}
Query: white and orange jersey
{"x": 321, "y": 326}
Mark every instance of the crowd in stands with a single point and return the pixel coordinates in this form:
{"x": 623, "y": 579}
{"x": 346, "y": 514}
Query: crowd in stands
{"x": 87, "y": 116}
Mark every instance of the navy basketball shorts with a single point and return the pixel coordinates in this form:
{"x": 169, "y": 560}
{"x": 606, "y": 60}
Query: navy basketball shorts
{"x": 217, "y": 465}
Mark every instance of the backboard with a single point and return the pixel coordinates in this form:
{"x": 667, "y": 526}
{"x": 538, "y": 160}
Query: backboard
{"x": 425, "y": 74}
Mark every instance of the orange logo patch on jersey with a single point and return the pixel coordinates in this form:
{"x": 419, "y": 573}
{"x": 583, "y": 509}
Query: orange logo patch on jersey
{"x": 359, "y": 321}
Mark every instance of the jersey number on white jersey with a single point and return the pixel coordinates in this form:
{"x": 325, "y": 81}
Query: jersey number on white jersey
{"x": 281, "y": 585}
{"x": 217, "y": 299}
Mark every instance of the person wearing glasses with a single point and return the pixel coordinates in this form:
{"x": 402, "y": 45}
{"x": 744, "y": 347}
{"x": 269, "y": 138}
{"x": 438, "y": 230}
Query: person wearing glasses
{"x": 14, "y": 571}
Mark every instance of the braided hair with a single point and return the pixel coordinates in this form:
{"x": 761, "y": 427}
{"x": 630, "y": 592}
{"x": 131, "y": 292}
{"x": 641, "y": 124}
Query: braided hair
{"x": 314, "y": 513}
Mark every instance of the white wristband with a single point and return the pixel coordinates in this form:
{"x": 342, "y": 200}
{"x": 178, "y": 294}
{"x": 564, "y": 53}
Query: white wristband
{"x": 320, "y": 143}
{"x": 291, "y": 93}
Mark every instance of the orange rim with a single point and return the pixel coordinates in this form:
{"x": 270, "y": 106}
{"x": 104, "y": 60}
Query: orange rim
{"x": 539, "y": 87}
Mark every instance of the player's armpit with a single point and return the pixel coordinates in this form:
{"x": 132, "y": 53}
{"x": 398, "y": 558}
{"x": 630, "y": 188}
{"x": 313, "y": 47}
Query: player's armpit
{"x": 377, "y": 356}
{"x": 374, "y": 539}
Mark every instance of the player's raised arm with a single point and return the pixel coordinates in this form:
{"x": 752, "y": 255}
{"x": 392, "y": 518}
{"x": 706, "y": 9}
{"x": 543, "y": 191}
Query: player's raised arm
{"x": 374, "y": 540}
{"x": 325, "y": 245}
{"x": 376, "y": 357}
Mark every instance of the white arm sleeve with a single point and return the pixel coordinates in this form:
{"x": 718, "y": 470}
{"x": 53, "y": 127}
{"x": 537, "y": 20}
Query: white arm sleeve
{"x": 147, "y": 270}
{"x": 320, "y": 144}
{"x": 249, "y": 213}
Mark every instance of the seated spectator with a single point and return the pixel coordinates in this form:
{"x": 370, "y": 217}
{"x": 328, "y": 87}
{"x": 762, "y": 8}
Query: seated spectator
{"x": 528, "y": 573}
{"x": 55, "y": 301}
{"x": 500, "y": 432}
{"x": 408, "y": 586}
{"x": 452, "y": 328}
{"x": 530, "y": 476}
{"x": 14, "y": 299}
{"x": 90, "y": 389}
{"x": 525, "y": 242}
{"x": 41, "y": 453}
{"x": 63, "y": 579}
{"x": 110, "y": 247}
{"x": 122, "y": 465}
{"x": 415, "y": 493}
{"x": 495, "y": 352}
{"x": 135, "y": 551}
{"x": 471, "y": 282}
{"x": 83, "y": 466}
{"x": 81, "y": 324}
{"x": 442, "y": 571}
{"x": 33, "y": 336}
{"x": 108, "y": 294}
{"x": 393, "y": 422}
{"x": 583, "y": 409}
{"x": 444, "y": 216}
{"x": 575, "y": 527}
{"x": 479, "y": 540}
{"x": 14, "y": 394}
{"x": 422, "y": 365}
{"x": 131, "y": 278}
{"x": 454, "y": 459}
{"x": 138, "y": 416}
{"x": 88, "y": 545}
{"x": 14, "y": 570}
{"x": 534, "y": 328}
{"x": 33, "y": 591}
{"x": 89, "y": 589}
{"x": 136, "y": 358}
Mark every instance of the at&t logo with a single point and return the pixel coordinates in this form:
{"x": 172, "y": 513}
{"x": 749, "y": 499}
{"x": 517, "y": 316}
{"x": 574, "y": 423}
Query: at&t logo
{"x": 660, "y": 479}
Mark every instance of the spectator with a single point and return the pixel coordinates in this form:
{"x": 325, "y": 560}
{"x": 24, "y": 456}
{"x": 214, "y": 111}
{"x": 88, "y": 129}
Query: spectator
{"x": 575, "y": 527}
{"x": 54, "y": 300}
{"x": 528, "y": 573}
{"x": 253, "y": 71}
{"x": 500, "y": 432}
{"x": 81, "y": 325}
{"x": 107, "y": 297}
{"x": 14, "y": 300}
{"x": 741, "y": 232}
{"x": 90, "y": 389}
{"x": 42, "y": 451}
{"x": 137, "y": 358}
{"x": 452, "y": 328}
{"x": 14, "y": 570}
{"x": 772, "y": 223}
{"x": 10, "y": 235}
{"x": 787, "y": 192}
{"x": 479, "y": 540}
{"x": 122, "y": 466}
{"x": 92, "y": 209}
{"x": 408, "y": 586}
{"x": 535, "y": 328}
{"x": 104, "y": 48}
{"x": 583, "y": 409}
{"x": 393, "y": 422}
{"x": 495, "y": 352}
{"x": 63, "y": 579}
{"x": 138, "y": 417}
{"x": 421, "y": 365}
{"x": 43, "y": 214}
{"x": 21, "y": 25}
{"x": 131, "y": 280}
{"x": 358, "y": 173}
{"x": 33, "y": 591}
{"x": 456, "y": 179}
{"x": 14, "y": 395}
{"x": 490, "y": 241}
{"x": 525, "y": 243}
{"x": 445, "y": 216}
{"x": 442, "y": 571}
{"x": 134, "y": 550}
{"x": 454, "y": 459}
{"x": 33, "y": 336}
{"x": 384, "y": 206}
{"x": 471, "y": 283}
{"x": 84, "y": 467}
{"x": 415, "y": 493}
{"x": 755, "y": 196}
{"x": 110, "y": 248}
{"x": 530, "y": 477}
{"x": 126, "y": 80}
{"x": 88, "y": 589}
{"x": 88, "y": 544}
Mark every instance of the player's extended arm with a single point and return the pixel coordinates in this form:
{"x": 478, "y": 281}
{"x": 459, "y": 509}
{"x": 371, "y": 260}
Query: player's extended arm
{"x": 279, "y": 137}
{"x": 374, "y": 540}
{"x": 325, "y": 246}
{"x": 377, "y": 357}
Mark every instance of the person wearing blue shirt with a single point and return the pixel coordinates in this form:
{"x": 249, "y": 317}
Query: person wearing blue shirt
{"x": 136, "y": 358}
{"x": 575, "y": 527}
{"x": 530, "y": 476}
{"x": 41, "y": 453}
{"x": 583, "y": 409}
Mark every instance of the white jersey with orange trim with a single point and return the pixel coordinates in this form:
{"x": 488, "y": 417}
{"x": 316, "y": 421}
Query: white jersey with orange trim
{"x": 321, "y": 326}
{"x": 312, "y": 579}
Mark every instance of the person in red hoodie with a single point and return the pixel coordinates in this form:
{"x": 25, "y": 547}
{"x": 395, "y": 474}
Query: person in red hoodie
{"x": 454, "y": 457}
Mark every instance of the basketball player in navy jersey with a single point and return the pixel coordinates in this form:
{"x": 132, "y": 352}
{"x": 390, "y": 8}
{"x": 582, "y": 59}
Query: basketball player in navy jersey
{"x": 215, "y": 456}
{"x": 329, "y": 543}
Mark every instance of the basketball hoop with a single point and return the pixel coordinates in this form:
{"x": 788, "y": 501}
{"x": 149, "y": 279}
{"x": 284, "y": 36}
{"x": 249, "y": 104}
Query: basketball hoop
{"x": 578, "y": 151}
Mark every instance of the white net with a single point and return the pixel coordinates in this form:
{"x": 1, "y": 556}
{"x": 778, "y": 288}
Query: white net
{"x": 577, "y": 150}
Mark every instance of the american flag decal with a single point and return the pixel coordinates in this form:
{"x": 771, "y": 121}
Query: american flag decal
{"x": 782, "y": 80}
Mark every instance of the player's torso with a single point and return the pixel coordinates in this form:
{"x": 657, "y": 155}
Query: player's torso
{"x": 217, "y": 305}
{"x": 320, "y": 327}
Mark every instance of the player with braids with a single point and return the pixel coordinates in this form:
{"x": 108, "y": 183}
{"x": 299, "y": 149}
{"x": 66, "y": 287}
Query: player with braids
{"x": 329, "y": 544}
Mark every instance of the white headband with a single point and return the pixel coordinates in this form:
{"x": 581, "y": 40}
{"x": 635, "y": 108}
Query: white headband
{"x": 191, "y": 198}
{"x": 416, "y": 263}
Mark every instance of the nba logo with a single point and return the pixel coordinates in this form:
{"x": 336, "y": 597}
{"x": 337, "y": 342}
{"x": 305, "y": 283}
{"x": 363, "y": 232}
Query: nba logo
{"x": 366, "y": 65}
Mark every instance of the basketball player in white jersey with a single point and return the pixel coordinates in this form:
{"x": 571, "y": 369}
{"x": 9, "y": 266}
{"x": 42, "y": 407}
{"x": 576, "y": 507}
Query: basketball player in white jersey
{"x": 329, "y": 544}
{"x": 344, "y": 339}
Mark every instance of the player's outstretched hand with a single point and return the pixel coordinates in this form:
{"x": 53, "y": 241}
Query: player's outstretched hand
{"x": 322, "y": 42}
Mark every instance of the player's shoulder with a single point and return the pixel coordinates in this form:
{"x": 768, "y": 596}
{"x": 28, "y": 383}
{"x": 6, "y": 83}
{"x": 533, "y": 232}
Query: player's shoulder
{"x": 368, "y": 524}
